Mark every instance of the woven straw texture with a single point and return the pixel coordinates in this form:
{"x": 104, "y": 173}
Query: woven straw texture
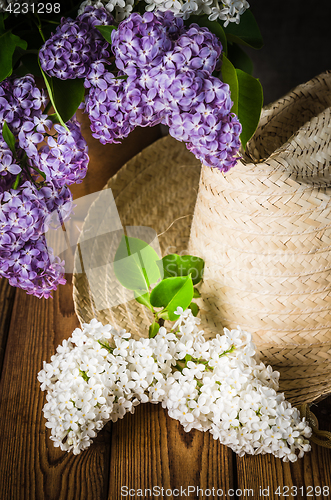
{"x": 157, "y": 188}
{"x": 264, "y": 231}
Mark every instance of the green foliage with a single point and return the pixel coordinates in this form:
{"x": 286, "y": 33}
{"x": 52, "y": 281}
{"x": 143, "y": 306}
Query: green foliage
{"x": 182, "y": 265}
{"x": 171, "y": 293}
{"x": 17, "y": 181}
{"x": 164, "y": 314}
{"x": 194, "y": 308}
{"x": 246, "y": 32}
{"x": 28, "y": 63}
{"x": 106, "y": 32}
{"x": 153, "y": 329}
{"x": 9, "y": 138}
{"x": 54, "y": 117}
{"x": 250, "y": 104}
{"x": 8, "y": 43}
{"x": 49, "y": 85}
{"x": 143, "y": 298}
{"x": 247, "y": 97}
{"x": 65, "y": 96}
{"x": 135, "y": 264}
{"x": 68, "y": 94}
{"x": 239, "y": 58}
{"x": 229, "y": 76}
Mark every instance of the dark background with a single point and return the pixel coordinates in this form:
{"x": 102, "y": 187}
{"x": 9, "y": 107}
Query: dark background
{"x": 297, "y": 43}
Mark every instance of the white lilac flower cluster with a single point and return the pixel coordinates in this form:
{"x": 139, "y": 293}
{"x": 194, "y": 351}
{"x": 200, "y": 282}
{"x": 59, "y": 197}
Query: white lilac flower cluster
{"x": 228, "y": 11}
{"x": 120, "y": 9}
{"x": 219, "y": 386}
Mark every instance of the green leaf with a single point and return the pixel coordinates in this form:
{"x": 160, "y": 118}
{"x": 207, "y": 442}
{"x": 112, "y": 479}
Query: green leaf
{"x": 68, "y": 94}
{"x": 9, "y": 138}
{"x": 182, "y": 265}
{"x": 239, "y": 58}
{"x": 135, "y": 264}
{"x": 143, "y": 298}
{"x": 246, "y": 32}
{"x": 194, "y": 308}
{"x": 164, "y": 314}
{"x": 32, "y": 37}
{"x": 250, "y": 104}
{"x": 49, "y": 85}
{"x": 2, "y": 24}
{"x": 196, "y": 293}
{"x": 229, "y": 76}
{"x": 247, "y": 96}
{"x": 153, "y": 329}
{"x": 213, "y": 26}
{"x": 19, "y": 42}
{"x": 54, "y": 117}
{"x": 171, "y": 293}
{"x": 39, "y": 172}
{"x": 8, "y": 42}
{"x": 106, "y": 31}
{"x": 65, "y": 95}
{"x": 17, "y": 180}
{"x": 28, "y": 64}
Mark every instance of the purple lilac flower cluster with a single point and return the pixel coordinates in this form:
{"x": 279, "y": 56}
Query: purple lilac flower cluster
{"x": 25, "y": 259}
{"x": 166, "y": 77}
{"x": 75, "y": 45}
{"x": 34, "y": 175}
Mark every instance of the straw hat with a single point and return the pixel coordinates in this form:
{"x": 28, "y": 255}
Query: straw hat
{"x": 263, "y": 229}
{"x": 157, "y": 188}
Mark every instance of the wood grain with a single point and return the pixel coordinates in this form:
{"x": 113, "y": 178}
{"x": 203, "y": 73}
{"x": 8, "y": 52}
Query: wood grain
{"x": 150, "y": 449}
{"x": 7, "y": 296}
{"x": 31, "y": 467}
{"x": 314, "y": 469}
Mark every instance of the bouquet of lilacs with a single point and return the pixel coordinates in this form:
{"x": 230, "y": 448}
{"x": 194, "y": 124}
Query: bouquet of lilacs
{"x": 37, "y": 164}
{"x": 162, "y": 73}
{"x": 100, "y": 374}
{"x": 73, "y": 50}
{"x": 149, "y": 69}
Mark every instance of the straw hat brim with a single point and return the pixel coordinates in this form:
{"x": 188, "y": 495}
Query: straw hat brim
{"x": 158, "y": 189}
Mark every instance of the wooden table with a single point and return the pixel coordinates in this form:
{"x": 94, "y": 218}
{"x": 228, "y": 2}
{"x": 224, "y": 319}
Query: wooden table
{"x": 141, "y": 451}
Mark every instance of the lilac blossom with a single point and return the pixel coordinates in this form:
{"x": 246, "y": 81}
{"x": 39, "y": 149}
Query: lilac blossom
{"x": 142, "y": 39}
{"x": 75, "y": 45}
{"x": 163, "y": 75}
{"x": 34, "y": 178}
{"x": 7, "y": 164}
{"x": 167, "y": 78}
{"x": 25, "y": 259}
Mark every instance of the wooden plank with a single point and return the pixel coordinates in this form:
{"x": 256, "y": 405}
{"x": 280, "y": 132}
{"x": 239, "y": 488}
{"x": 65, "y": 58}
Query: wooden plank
{"x": 31, "y": 468}
{"x": 150, "y": 449}
{"x": 304, "y": 476}
{"x": 7, "y": 297}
